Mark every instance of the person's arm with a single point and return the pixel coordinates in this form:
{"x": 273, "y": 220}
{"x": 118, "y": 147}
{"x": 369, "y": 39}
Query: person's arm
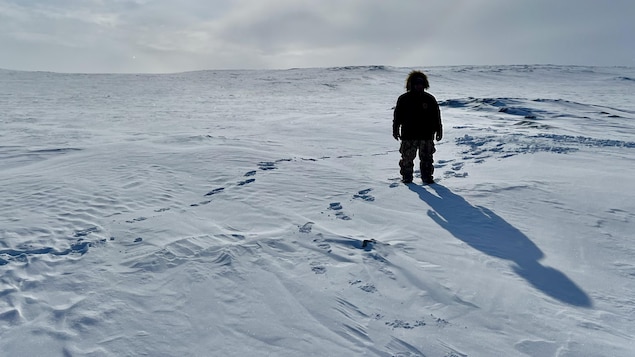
{"x": 396, "y": 121}
{"x": 439, "y": 134}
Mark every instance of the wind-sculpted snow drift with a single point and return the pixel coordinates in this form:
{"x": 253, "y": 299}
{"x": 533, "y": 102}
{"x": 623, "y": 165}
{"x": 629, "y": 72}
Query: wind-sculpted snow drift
{"x": 261, "y": 213}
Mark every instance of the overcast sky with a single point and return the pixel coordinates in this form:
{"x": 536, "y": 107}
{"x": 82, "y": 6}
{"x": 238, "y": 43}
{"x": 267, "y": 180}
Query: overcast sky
{"x": 184, "y": 35}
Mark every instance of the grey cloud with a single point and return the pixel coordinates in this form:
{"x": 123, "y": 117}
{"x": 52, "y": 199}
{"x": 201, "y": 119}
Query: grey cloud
{"x": 168, "y": 36}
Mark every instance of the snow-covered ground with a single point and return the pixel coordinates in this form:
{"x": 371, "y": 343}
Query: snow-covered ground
{"x": 222, "y": 213}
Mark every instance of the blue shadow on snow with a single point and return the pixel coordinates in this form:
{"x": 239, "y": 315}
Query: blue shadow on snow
{"x": 485, "y": 231}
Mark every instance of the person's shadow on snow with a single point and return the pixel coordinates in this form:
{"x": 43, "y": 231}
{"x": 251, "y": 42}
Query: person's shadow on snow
{"x": 482, "y": 229}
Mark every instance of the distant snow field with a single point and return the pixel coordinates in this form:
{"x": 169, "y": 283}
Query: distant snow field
{"x": 261, "y": 213}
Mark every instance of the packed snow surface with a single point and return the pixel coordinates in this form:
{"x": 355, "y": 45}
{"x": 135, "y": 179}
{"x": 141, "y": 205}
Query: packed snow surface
{"x": 261, "y": 213}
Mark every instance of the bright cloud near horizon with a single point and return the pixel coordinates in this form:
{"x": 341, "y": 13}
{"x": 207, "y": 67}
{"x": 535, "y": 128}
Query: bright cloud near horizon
{"x": 166, "y": 36}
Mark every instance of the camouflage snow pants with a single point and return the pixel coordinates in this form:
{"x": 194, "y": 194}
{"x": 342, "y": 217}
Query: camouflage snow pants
{"x": 408, "y": 152}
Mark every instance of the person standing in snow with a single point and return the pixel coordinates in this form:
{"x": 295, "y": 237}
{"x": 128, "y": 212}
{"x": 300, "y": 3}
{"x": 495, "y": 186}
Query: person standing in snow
{"x": 417, "y": 122}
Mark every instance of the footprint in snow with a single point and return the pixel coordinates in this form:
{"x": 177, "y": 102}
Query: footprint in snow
{"x": 457, "y": 166}
{"x": 322, "y": 244}
{"x": 210, "y": 193}
{"x": 245, "y": 182}
{"x": 395, "y": 182}
{"x": 215, "y": 191}
{"x": 318, "y": 268}
{"x": 363, "y": 194}
{"x": 442, "y": 163}
{"x": 336, "y": 206}
{"x": 267, "y": 165}
{"x": 367, "y": 287}
{"x": 306, "y": 228}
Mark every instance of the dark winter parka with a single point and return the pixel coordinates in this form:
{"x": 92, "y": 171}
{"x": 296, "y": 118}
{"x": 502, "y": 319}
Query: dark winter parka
{"x": 417, "y": 113}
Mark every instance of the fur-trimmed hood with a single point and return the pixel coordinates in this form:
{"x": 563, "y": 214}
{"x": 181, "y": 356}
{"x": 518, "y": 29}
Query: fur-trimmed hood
{"x": 416, "y": 75}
